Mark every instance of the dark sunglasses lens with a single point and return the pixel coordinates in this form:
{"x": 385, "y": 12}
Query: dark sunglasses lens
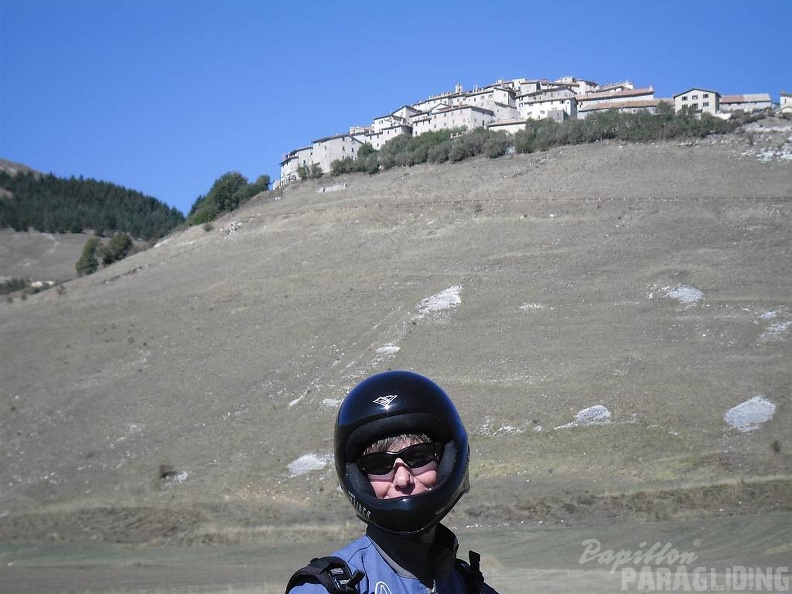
{"x": 379, "y": 463}
{"x": 414, "y": 456}
{"x": 419, "y": 455}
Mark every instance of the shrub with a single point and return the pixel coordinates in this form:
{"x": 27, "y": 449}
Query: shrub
{"x": 14, "y": 284}
{"x": 303, "y": 172}
{"x": 496, "y": 145}
{"x": 439, "y": 153}
{"x": 227, "y": 193}
{"x": 117, "y": 249}
{"x": 458, "y": 151}
{"x": 88, "y": 264}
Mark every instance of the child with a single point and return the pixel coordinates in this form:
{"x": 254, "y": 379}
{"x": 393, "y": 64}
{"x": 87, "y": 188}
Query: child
{"x": 401, "y": 455}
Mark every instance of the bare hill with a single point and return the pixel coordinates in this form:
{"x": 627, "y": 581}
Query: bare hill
{"x": 595, "y": 311}
{"x": 13, "y": 168}
{"x": 39, "y": 256}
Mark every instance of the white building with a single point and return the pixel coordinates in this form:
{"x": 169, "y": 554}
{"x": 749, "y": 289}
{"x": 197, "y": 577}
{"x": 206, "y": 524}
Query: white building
{"x": 786, "y": 103}
{"x": 292, "y": 161}
{"x": 444, "y": 118}
{"x": 624, "y": 85}
{"x": 488, "y": 97}
{"x": 443, "y": 99}
{"x": 581, "y": 87}
{"x": 747, "y": 103}
{"x": 548, "y": 103}
{"x": 510, "y": 126}
{"x": 332, "y": 148}
{"x": 698, "y": 99}
{"x": 647, "y": 105}
{"x": 400, "y": 117}
{"x": 523, "y": 86}
{"x": 383, "y": 135}
{"x": 612, "y": 97}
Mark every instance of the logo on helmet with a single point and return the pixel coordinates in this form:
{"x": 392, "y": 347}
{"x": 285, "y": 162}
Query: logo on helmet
{"x": 357, "y": 505}
{"x": 385, "y": 401}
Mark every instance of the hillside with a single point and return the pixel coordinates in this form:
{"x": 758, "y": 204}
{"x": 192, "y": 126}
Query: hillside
{"x": 193, "y": 387}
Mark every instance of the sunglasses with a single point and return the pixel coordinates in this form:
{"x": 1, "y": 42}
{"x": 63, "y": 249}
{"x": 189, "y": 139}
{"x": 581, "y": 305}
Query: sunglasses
{"x": 414, "y": 456}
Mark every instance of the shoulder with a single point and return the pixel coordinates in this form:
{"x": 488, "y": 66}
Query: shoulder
{"x": 357, "y": 555}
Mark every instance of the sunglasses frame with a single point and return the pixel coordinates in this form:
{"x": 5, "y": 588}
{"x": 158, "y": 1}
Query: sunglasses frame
{"x": 436, "y": 448}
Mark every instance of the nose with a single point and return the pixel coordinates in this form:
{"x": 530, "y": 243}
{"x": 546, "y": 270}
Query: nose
{"x": 403, "y": 477}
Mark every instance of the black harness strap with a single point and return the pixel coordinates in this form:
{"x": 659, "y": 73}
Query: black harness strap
{"x": 332, "y": 572}
{"x": 471, "y": 573}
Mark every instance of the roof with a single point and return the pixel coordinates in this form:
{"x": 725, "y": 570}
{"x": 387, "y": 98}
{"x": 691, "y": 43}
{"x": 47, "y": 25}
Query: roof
{"x": 397, "y": 126}
{"x": 336, "y": 137}
{"x": 605, "y": 105}
{"x": 610, "y": 94}
{"x": 458, "y": 107}
{"x": 697, "y": 89}
{"x": 511, "y": 122}
{"x": 749, "y": 98}
{"x": 549, "y": 90}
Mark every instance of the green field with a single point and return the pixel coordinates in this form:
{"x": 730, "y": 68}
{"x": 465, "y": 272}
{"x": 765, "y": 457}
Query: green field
{"x": 514, "y": 559}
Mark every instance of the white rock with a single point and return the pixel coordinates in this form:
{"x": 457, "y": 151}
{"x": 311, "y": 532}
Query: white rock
{"x": 750, "y": 415}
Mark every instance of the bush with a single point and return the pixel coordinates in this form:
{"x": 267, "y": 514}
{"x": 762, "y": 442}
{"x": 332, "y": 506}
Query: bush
{"x": 457, "y": 144}
{"x": 88, "y": 264}
{"x": 227, "y": 193}
{"x": 496, "y": 145}
{"x": 117, "y": 249}
{"x": 439, "y": 153}
{"x": 630, "y": 127}
{"x": 14, "y": 284}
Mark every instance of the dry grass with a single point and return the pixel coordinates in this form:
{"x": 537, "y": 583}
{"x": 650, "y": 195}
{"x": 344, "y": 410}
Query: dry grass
{"x": 215, "y": 354}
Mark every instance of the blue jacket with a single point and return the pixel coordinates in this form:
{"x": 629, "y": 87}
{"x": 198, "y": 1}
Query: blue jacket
{"x": 381, "y": 577}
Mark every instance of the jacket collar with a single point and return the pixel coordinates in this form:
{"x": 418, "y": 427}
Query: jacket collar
{"x": 428, "y": 557}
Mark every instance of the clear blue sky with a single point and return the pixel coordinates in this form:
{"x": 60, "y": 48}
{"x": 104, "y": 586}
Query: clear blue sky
{"x": 164, "y": 96}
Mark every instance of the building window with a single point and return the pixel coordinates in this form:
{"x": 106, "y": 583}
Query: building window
{"x": 694, "y": 97}
{"x": 705, "y": 95}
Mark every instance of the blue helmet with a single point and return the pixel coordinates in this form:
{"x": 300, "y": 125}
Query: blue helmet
{"x": 394, "y": 403}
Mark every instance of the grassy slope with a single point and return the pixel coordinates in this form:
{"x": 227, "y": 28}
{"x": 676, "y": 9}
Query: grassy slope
{"x": 218, "y": 355}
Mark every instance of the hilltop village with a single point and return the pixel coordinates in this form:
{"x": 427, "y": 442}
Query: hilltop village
{"x": 508, "y": 106}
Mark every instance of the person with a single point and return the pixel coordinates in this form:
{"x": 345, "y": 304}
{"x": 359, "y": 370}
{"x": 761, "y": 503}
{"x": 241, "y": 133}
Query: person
{"x": 402, "y": 456}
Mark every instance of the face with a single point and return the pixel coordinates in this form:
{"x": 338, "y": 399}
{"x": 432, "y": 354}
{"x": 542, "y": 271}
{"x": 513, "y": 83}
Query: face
{"x": 403, "y": 480}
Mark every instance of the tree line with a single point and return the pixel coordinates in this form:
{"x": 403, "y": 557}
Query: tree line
{"x": 227, "y": 193}
{"x": 51, "y": 204}
{"x": 457, "y": 144}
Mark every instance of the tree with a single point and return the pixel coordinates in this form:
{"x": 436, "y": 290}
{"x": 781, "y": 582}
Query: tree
{"x": 117, "y": 249}
{"x": 88, "y": 264}
{"x": 224, "y": 196}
